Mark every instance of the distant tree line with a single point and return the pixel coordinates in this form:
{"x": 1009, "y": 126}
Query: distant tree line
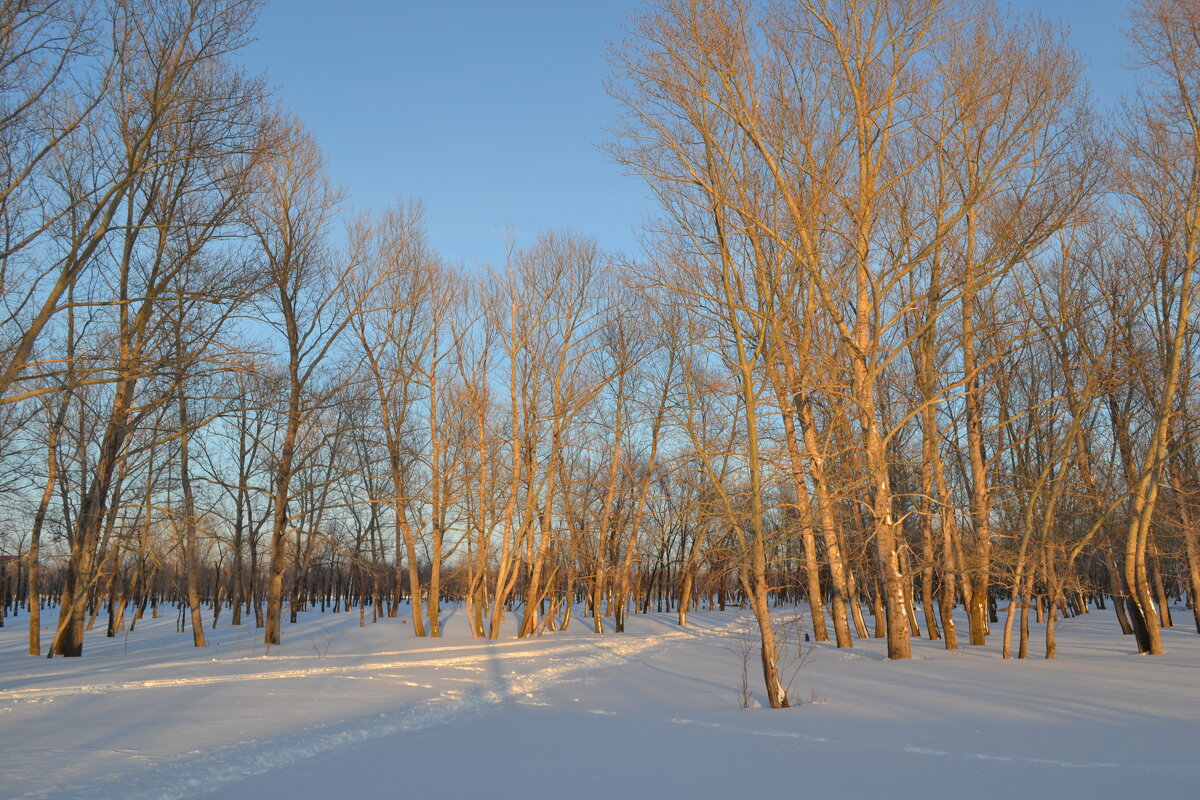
{"x": 915, "y": 330}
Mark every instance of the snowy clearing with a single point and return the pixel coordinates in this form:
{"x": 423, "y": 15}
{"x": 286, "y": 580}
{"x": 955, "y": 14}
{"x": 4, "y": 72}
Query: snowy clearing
{"x": 374, "y": 710}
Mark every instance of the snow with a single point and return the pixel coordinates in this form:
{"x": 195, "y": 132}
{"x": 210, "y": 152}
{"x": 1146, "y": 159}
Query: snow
{"x": 339, "y": 710}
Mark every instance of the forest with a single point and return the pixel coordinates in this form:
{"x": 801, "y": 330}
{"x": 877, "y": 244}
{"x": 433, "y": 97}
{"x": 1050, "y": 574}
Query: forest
{"x": 915, "y": 329}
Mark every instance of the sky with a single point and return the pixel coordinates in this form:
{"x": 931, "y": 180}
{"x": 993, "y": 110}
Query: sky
{"x": 493, "y": 112}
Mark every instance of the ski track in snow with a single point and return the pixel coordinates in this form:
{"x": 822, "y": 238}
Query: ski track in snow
{"x": 909, "y": 749}
{"x": 373, "y": 667}
{"x": 1041, "y": 762}
{"x": 207, "y": 774}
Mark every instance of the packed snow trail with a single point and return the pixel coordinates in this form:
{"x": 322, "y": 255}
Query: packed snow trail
{"x": 374, "y": 669}
{"x": 512, "y": 673}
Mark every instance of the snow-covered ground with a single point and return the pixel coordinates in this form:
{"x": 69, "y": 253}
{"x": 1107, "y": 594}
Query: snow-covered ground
{"x": 340, "y": 711}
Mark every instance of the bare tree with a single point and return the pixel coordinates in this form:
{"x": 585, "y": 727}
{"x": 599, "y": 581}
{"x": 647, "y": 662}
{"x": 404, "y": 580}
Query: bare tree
{"x": 290, "y": 212}
{"x": 1159, "y": 172}
{"x": 188, "y": 129}
{"x": 393, "y": 332}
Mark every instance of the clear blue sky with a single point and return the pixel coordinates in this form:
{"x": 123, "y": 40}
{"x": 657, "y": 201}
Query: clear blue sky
{"x": 490, "y": 111}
